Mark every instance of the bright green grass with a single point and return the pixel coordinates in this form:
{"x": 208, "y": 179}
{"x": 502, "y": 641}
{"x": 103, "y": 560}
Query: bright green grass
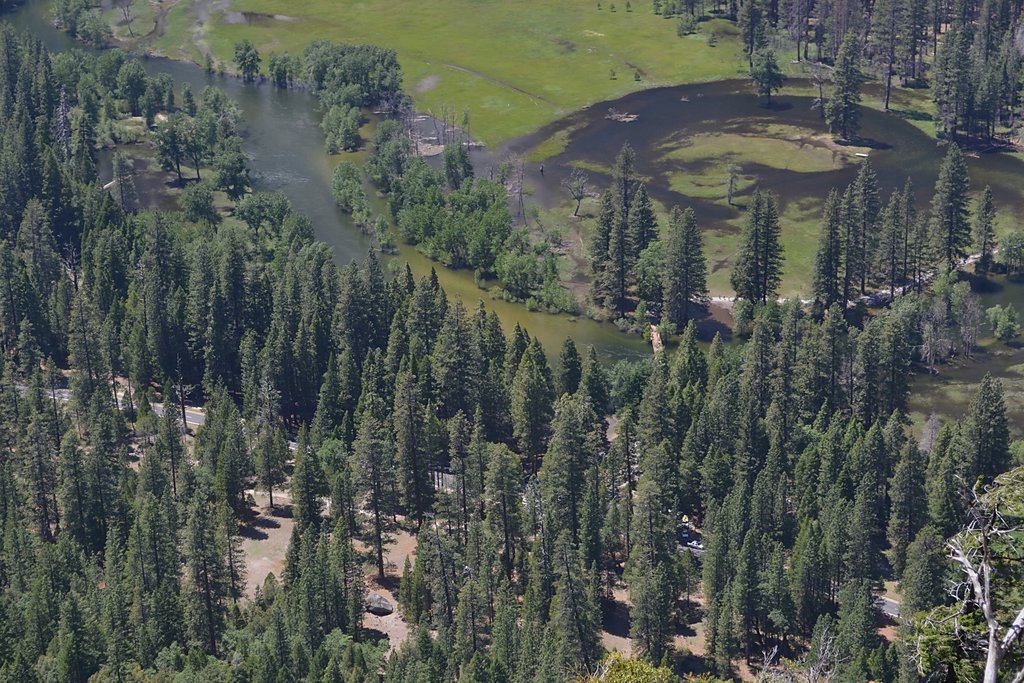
{"x": 515, "y": 65}
{"x": 800, "y": 227}
{"x": 143, "y": 18}
{"x": 552, "y": 146}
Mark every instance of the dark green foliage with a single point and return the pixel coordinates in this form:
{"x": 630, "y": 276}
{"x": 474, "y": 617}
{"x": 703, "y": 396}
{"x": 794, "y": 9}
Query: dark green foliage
{"x": 842, "y": 110}
{"x": 758, "y": 268}
{"x": 984, "y": 230}
{"x": 626, "y": 226}
{"x": 766, "y": 74}
{"x": 950, "y": 228}
{"x": 247, "y": 59}
{"x": 828, "y": 261}
{"x": 685, "y": 269}
{"x": 535, "y": 489}
{"x": 925, "y": 576}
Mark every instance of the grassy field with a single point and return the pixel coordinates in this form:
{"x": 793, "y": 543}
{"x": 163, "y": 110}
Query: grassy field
{"x": 516, "y": 66}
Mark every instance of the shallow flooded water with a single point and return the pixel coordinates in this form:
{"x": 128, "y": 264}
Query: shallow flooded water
{"x": 286, "y": 147}
{"x": 683, "y": 131}
{"x": 285, "y": 143}
{"x": 950, "y": 391}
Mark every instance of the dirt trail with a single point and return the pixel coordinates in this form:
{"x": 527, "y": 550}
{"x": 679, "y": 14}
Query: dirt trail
{"x": 205, "y": 10}
{"x": 497, "y": 81}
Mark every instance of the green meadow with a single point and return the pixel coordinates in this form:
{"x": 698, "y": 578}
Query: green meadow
{"x": 514, "y": 65}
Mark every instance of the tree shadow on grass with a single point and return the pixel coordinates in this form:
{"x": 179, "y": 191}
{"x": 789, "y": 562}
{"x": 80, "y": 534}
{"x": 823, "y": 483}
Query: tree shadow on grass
{"x": 870, "y": 143}
{"x": 253, "y": 533}
{"x": 690, "y": 613}
{"x": 776, "y": 105}
{"x": 282, "y": 511}
{"x": 910, "y": 114}
{"x": 615, "y": 618}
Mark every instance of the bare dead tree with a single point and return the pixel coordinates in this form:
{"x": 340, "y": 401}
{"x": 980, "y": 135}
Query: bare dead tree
{"x": 818, "y": 75}
{"x": 734, "y": 175}
{"x": 820, "y": 668}
{"x": 992, "y": 519}
{"x": 969, "y": 316}
{"x": 989, "y": 542}
{"x": 935, "y": 341}
{"x": 126, "y": 12}
{"x": 576, "y": 184}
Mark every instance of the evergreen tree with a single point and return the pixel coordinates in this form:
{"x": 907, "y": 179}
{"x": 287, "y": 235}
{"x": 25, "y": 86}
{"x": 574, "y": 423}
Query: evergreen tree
{"x": 685, "y": 268}
{"x": 570, "y": 455}
{"x": 411, "y": 457}
{"x": 950, "y": 229}
{"x": 766, "y": 74}
{"x": 986, "y": 432}
{"x": 271, "y": 453}
{"x": 115, "y": 618}
{"x": 953, "y": 84}
{"x": 77, "y": 655}
{"x": 651, "y": 570}
{"x": 984, "y": 231}
{"x": 758, "y": 268}
{"x": 502, "y": 505}
{"x": 570, "y": 368}
{"x": 842, "y": 110}
{"x": 307, "y": 485}
{"x": 456, "y": 364}
{"x": 206, "y": 585}
{"x": 532, "y": 401}
{"x": 923, "y": 581}
{"x": 124, "y": 184}
{"x": 906, "y": 491}
{"x": 889, "y": 20}
{"x": 889, "y": 260}
{"x": 372, "y": 463}
{"x": 642, "y": 223}
{"x": 829, "y": 259}
{"x": 234, "y": 557}
{"x": 867, "y": 207}
{"x": 617, "y": 243}
{"x": 572, "y": 642}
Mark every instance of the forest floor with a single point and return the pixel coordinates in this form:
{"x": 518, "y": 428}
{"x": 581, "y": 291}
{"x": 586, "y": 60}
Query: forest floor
{"x": 265, "y": 538}
{"x": 266, "y": 534}
{"x": 392, "y": 626}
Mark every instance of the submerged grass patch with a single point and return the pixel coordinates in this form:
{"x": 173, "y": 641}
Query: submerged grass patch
{"x": 554, "y": 145}
{"x": 805, "y": 154}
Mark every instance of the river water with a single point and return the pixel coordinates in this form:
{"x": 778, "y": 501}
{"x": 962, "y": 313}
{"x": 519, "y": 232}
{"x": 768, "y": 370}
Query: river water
{"x": 285, "y": 144}
{"x": 672, "y": 118}
{"x": 284, "y": 141}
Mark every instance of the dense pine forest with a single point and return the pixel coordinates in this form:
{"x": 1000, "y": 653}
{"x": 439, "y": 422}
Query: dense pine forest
{"x": 740, "y": 509}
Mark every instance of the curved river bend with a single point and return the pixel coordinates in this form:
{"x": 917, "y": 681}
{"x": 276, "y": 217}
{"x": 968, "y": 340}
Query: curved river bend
{"x": 285, "y": 144}
{"x": 284, "y": 141}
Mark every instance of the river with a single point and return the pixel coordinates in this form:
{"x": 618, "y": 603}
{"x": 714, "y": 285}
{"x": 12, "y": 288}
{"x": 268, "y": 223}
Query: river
{"x": 284, "y": 141}
{"x": 673, "y": 119}
{"x": 286, "y": 149}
